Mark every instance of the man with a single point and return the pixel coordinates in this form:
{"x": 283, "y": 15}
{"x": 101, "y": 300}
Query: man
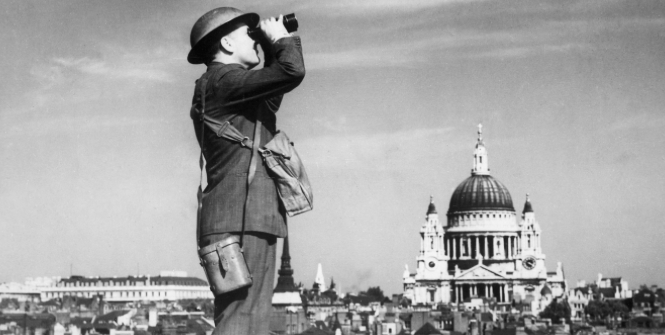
{"x": 235, "y": 93}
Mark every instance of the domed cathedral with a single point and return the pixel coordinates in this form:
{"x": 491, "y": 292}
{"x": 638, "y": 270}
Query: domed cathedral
{"x": 483, "y": 252}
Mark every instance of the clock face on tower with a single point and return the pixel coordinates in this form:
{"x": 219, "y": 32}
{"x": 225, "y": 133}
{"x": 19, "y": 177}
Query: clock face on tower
{"x": 431, "y": 264}
{"x": 529, "y": 263}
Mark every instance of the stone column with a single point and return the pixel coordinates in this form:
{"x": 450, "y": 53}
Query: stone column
{"x": 453, "y": 246}
{"x": 500, "y": 292}
{"x": 476, "y": 248}
{"x": 510, "y": 247}
{"x": 446, "y": 244}
{"x": 514, "y": 246}
{"x": 486, "y": 254}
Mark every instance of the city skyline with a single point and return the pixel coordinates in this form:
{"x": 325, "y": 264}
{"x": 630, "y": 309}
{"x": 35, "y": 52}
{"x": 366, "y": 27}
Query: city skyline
{"x": 100, "y": 160}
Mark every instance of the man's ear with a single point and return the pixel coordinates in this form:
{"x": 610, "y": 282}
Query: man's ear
{"x": 227, "y": 44}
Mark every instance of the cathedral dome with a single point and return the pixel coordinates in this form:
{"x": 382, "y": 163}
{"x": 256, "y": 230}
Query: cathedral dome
{"x": 480, "y": 192}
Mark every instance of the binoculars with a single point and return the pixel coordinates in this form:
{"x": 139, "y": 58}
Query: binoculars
{"x": 290, "y": 23}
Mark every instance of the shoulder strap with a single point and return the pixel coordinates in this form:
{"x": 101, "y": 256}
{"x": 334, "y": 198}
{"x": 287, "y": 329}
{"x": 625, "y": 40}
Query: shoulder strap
{"x": 228, "y": 131}
{"x": 201, "y": 89}
{"x": 252, "y": 169}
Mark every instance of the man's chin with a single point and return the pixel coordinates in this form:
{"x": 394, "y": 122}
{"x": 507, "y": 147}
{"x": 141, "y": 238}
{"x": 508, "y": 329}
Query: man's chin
{"x": 253, "y": 65}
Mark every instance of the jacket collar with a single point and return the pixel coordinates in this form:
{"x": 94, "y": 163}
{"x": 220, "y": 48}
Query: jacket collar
{"x": 217, "y": 65}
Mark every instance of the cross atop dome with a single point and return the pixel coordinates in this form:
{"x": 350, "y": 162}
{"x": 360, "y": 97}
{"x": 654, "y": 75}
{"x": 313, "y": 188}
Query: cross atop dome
{"x": 480, "y": 166}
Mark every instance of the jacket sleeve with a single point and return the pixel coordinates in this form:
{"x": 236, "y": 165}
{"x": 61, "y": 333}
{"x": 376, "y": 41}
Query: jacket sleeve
{"x": 281, "y": 74}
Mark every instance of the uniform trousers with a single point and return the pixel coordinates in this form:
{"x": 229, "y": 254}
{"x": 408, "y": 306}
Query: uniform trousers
{"x": 247, "y": 311}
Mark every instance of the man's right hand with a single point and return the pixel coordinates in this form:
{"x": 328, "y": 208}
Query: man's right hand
{"x": 273, "y": 29}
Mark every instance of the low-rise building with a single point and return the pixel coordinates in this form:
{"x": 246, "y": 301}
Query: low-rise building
{"x": 19, "y": 292}
{"x": 169, "y": 285}
{"x": 578, "y": 299}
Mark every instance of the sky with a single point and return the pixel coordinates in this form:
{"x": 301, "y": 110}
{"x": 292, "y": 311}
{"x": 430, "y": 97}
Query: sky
{"x": 99, "y": 160}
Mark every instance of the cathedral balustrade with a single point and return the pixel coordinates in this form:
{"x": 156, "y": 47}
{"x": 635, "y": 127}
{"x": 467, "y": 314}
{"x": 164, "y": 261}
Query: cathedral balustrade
{"x": 493, "y": 220}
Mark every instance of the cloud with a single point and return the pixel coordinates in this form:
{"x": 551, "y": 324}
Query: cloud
{"x": 131, "y": 67}
{"x": 64, "y": 81}
{"x": 525, "y": 31}
{"x": 376, "y": 152}
{"x": 637, "y": 122}
{"x": 351, "y": 7}
{"x": 519, "y": 52}
{"x": 451, "y": 45}
{"x": 47, "y": 75}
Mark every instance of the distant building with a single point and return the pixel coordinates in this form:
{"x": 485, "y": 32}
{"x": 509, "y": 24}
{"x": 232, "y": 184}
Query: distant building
{"x": 613, "y": 288}
{"x": 166, "y": 286}
{"x": 19, "y": 292}
{"x": 482, "y": 250}
{"x": 40, "y": 282}
{"x": 578, "y": 299}
{"x": 645, "y": 302}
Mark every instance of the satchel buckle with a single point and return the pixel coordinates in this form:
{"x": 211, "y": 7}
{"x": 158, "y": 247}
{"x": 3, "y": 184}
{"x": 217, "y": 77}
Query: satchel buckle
{"x": 265, "y": 152}
{"x": 243, "y": 140}
{"x": 221, "y": 130}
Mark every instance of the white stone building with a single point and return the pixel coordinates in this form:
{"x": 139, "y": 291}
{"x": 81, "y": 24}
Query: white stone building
{"x": 19, "y": 292}
{"x": 482, "y": 249}
{"x": 169, "y": 285}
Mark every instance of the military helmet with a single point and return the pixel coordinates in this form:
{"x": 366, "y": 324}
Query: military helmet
{"x": 212, "y": 26}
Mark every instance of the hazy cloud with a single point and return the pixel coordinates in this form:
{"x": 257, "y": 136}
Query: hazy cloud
{"x": 523, "y": 33}
{"x": 394, "y": 150}
{"x": 638, "y": 121}
{"x": 518, "y": 52}
{"x": 131, "y": 67}
{"x": 351, "y": 7}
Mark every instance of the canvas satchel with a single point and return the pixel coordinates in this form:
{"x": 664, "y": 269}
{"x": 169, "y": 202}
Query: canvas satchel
{"x": 282, "y": 161}
{"x": 289, "y": 173}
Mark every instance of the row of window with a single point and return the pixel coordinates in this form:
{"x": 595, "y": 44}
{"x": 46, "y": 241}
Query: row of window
{"x": 125, "y": 283}
{"x": 127, "y": 294}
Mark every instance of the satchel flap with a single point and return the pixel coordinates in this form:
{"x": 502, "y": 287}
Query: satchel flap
{"x": 280, "y": 145}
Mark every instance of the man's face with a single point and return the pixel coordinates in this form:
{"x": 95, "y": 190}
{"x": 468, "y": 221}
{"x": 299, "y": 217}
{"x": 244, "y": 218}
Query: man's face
{"x": 246, "y": 51}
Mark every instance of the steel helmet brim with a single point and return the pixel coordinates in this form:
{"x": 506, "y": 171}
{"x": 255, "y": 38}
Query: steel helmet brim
{"x": 197, "y": 53}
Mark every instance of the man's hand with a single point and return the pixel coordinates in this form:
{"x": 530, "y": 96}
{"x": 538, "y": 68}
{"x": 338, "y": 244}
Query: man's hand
{"x": 273, "y": 29}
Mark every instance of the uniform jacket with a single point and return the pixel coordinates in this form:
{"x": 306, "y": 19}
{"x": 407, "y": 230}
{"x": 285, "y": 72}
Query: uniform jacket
{"x": 236, "y": 94}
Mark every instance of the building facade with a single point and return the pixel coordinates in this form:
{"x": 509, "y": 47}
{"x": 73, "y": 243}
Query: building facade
{"x": 19, "y": 292}
{"x": 482, "y": 249}
{"x": 169, "y": 285}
